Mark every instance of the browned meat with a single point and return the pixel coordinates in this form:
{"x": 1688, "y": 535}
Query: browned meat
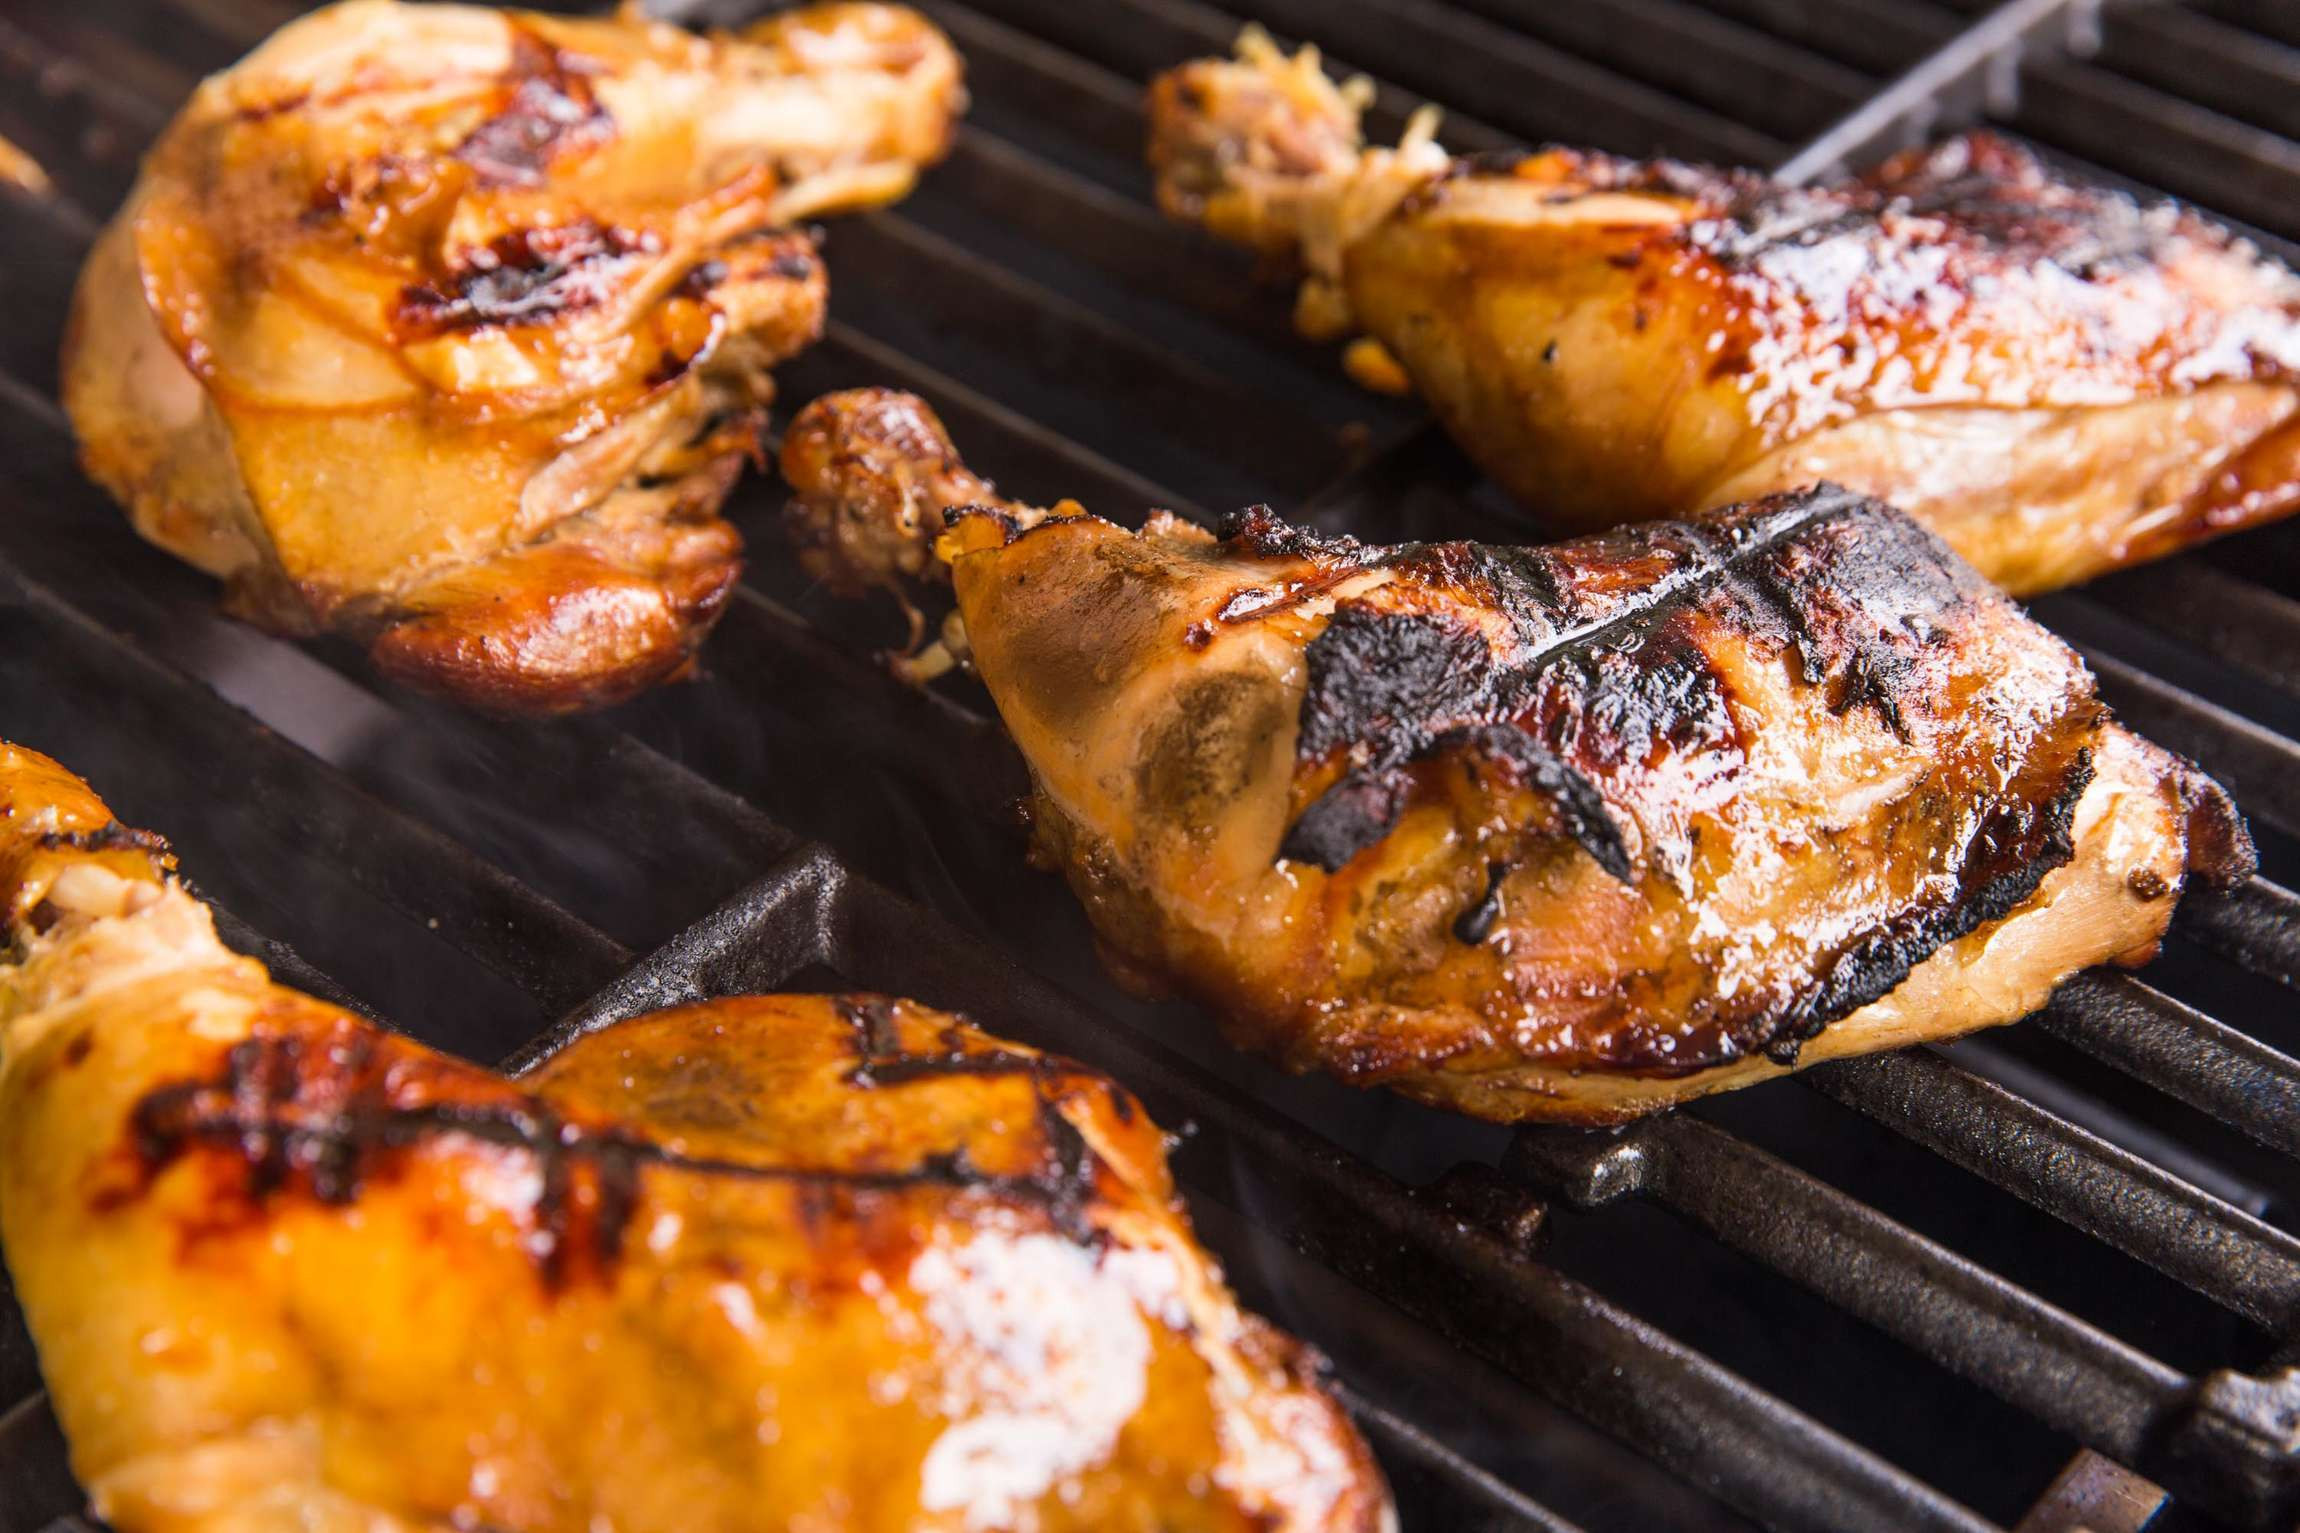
{"x": 777, "y": 1262}
{"x": 871, "y": 471}
{"x": 448, "y": 328}
{"x": 2054, "y": 379}
{"x": 1576, "y": 832}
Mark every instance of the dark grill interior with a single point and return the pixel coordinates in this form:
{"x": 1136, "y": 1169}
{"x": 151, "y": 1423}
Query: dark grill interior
{"x": 1939, "y": 1290}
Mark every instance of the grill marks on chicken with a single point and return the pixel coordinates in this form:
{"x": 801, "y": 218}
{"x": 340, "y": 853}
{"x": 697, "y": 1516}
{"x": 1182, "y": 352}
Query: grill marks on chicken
{"x": 449, "y": 328}
{"x": 1569, "y": 832}
{"x": 1601, "y": 665}
{"x": 2055, "y": 379}
{"x": 773, "y": 1261}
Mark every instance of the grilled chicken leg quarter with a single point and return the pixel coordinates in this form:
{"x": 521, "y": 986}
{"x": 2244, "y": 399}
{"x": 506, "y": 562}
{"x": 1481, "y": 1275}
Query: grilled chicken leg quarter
{"x": 448, "y": 328}
{"x": 2056, "y": 380}
{"x": 771, "y": 1263}
{"x": 1571, "y": 832}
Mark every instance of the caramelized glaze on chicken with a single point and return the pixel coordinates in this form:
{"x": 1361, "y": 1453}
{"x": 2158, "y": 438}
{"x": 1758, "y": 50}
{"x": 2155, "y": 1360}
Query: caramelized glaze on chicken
{"x": 776, "y": 1262}
{"x": 1575, "y": 832}
{"x": 2056, "y": 380}
{"x": 448, "y": 328}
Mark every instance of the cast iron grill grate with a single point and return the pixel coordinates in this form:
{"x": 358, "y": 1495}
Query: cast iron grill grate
{"x": 1903, "y": 1292}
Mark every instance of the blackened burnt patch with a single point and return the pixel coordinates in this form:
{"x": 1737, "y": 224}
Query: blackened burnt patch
{"x": 1257, "y": 530}
{"x": 1475, "y": 923}
{"x": 324, "y": 1112}
{"x": 528, "y": 276}
{"x": 1376, "y": 673}
{"x": 1578, "y": 803}
{"x": 113, "y": 837}
{"x": 1598, "y": 668}
{"x": 326, "y": 1108}
{"x": 1862, "y": 596}
{"x": 1348, "y": 817}
{"x": 549, "y": 110}
{"x": 1363, "y": 807}
{"x": 882, "y": 1060}
{"x": 2020, "y": 838}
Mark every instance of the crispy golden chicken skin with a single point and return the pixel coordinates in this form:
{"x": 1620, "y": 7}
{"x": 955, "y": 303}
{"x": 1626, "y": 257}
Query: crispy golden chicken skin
{"x": 1573, "y": 832}
{"x": 448, "y": 328}
{"x": 771, "y": 1263}
{"x": 2056, "y": 380}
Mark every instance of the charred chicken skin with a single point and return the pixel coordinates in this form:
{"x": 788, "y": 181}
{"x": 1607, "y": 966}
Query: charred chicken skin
{"x": 770, "y": 1263}
{"x": 2056, "y": 380}
{"x": 448, "y": 328}
{"x": 1575, "y": 832}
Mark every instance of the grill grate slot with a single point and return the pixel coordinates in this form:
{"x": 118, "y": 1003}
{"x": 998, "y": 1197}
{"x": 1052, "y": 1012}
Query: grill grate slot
{"x": 2186, "y": 1054}
{"x": 1516, "y": 83}
{"x": 2193, "y": 56}
{"x": 1750, "y": 76}
{"x": 1137, "y": 39}
{"x": 2041, "y": 1358}
{"x": 2220, "y": 1251}
{"x": 2190, "y": 150}
{"x": 1879, "y": 37}
{"x": 2269, "y": 18}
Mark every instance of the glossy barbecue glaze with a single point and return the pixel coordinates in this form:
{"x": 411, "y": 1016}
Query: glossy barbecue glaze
{"x": 774, "y": 1262}
{"x": 1567, "y": 832}
{"x": 448, "y": 327}
{"x": 2054, "y": 379}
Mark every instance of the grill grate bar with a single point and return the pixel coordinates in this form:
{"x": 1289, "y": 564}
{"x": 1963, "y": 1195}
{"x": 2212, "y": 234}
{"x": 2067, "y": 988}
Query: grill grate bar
{"x": 2056, "y": 1367}
{"x": 2191, "y": 55}
{"x": 2256, "y": 926}
{"x": 2269, "y": 18}
{"x": 2191, "y": 150}
{"x": 1978, "y": 67}
{"x": 519, "y": 935}
{"x": 1402, "y": 1446}
{"x": 2199, "y": 1241}
{"x": 46, "y": 238}
{"x": 1141, "y": 38}
{"x": 1779, "y": 87}
{"x": 2161, "y": 1042}
{"x": 1010, "y": 68}
{"x": 1881, "y": 37}
{"x": 1743, "y": 1444}
{"x": 1515, "y": 83}
{"x": 997, "y": 178}
{"x": 2258, "y": 765}
{"x": 2237, "y": 621}
{"x": 1100, "y": 382}
{"x": 76, "y": 129}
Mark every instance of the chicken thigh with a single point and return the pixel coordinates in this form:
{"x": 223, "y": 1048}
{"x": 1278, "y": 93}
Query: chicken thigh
{"x": 1575, "y": 832}
{"x": 2055, "y": 379}
{"x": 766, "y": 1263}
{"x": 448, "y": 328}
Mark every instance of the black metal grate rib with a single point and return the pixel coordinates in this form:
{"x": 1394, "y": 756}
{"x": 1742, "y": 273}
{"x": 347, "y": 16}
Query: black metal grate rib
{"x": 1823, "y": 1306}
